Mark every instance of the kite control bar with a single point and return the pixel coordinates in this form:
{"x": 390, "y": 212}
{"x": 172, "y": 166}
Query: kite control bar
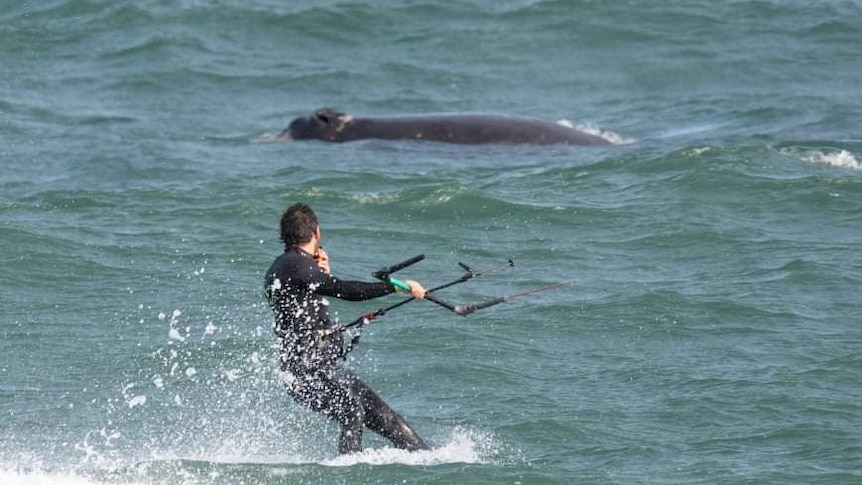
{"x": 385, "y": 274}
{"x": 467, "y": 276}
{"x": 463, "y": 310}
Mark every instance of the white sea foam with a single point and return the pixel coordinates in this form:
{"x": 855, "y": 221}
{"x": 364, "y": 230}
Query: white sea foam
{"x": 464, "y": 446}
{"x": 610, "y": 136}
{"x": 270, "y": 138}
{"x": 13, "y": 477}
{"x": 376, "y": 198}
{"x": 174, "y": 332}
{"x": 840, "y": 158}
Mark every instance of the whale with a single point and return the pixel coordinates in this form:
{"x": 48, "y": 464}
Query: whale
{"x": 461, "y": 128}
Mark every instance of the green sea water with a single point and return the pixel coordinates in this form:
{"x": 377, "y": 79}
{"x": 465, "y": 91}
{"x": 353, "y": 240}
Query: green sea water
{"x": 710, "y": 331}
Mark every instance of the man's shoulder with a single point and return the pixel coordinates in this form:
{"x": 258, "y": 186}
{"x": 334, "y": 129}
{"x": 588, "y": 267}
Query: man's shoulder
{"x": 290, "y": 264}
{"x": 282, "y": 262}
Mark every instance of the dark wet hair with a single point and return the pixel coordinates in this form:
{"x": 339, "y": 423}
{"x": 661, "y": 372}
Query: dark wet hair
{"x": 298, "y": 224}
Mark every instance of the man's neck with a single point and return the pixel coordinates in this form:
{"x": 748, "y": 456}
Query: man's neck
{"x": 309, "y": 247}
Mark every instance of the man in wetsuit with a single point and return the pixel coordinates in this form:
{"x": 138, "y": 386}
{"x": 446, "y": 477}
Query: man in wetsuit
{"x": 296, "y": 286}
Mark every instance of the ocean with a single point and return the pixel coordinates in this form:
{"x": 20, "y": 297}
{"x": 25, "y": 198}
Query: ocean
{"x": 709, "y": 331}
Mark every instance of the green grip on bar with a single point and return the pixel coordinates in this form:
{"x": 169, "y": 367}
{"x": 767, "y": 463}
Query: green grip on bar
{"x": 398, "y": 284}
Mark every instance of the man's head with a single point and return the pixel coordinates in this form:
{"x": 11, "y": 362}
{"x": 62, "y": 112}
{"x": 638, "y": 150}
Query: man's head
{"x": 298, "y": 225}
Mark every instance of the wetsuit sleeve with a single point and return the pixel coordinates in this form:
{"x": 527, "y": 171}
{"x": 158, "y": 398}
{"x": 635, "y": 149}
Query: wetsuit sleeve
{"x": 352, "y": 290}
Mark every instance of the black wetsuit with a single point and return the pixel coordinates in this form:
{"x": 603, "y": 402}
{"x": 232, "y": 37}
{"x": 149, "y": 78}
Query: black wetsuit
{"x": 310, "y": 357}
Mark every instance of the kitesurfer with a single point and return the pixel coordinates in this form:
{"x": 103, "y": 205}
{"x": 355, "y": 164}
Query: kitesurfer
{"x": 309, "y": 344}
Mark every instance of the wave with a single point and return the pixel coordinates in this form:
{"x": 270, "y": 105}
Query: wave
{"x": 13, "y": 477}
{"x": 834, "y": 158}
{"x": 463, "y": 446}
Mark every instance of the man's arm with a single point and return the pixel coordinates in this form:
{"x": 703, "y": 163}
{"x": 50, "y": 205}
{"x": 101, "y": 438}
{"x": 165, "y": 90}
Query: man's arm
{"x": 355, "y": 290}
{"x": 351, "y": 290}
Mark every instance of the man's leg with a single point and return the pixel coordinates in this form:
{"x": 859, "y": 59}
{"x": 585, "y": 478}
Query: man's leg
{"x": 334, "y": 399}
{"x": 381, "y": 419}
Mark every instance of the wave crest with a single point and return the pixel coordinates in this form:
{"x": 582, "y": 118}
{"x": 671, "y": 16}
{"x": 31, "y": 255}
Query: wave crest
{"x": 840, "y": 158}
